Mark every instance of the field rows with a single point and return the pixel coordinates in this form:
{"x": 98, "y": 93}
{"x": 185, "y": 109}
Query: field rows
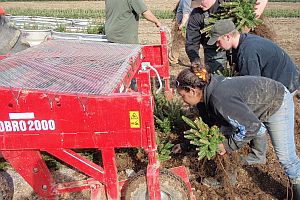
{"x": 99, "y": 5}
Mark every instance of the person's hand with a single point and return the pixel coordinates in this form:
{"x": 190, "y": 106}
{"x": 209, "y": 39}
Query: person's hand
{"x": 176, "y": 149}
{"x": 222, "y": 150}
{"x": 246, "y": 29}
{"x": 158, "y": 24}
{"x": 180, "y": 27}
{"x": 196, "y": 63}
{"x": 258, "y": 10}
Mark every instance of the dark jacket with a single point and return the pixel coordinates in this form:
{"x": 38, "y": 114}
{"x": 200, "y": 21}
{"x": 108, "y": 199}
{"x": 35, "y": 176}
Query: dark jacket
{"x": 243, "y": 103}
{"x": 257, "y": 56}
{"x": 198, "y": 20}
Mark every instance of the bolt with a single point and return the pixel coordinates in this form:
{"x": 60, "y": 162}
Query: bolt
{"x": 44, "y": 187}
{"x": 35, "y": 170}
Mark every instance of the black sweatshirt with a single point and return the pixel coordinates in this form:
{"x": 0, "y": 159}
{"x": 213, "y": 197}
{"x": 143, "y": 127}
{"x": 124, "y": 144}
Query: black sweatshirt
{"x": 243, "y": 103}
{"x": 197, "y": 21}
{"x": 257, "y": 56}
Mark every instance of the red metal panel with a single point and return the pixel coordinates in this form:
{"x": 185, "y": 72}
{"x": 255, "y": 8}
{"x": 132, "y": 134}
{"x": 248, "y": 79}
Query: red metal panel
{"x": 56, "y": 118}
{"x": 67, "y": 122}
{"x": 35, "y": 173}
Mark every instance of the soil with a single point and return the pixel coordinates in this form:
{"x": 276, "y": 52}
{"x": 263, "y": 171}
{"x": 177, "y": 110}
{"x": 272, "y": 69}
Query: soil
{"x": 254, "y": 182}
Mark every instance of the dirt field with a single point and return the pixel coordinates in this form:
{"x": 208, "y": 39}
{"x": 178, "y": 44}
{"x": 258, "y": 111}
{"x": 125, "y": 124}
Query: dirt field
{"x": 255, "y": 182}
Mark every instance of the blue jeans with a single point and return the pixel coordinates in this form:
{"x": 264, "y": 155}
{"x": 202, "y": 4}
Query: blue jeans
{"x": 258, "y": 147}
{"x": 281, "y": 129}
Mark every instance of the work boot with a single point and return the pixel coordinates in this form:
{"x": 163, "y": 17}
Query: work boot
{"x": 296, "y": 192}
{"x": 258, "y": 152}
{"x": 215, "y": 183}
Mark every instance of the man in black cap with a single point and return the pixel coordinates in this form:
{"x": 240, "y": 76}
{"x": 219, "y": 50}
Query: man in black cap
{"x": 255, "y": 55}
{"x": 259, "y": 56}
{"x": 198, "y": 20}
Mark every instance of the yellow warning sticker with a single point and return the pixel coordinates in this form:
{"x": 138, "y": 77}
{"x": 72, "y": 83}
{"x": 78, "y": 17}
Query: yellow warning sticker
{"x": 134, "y": 119}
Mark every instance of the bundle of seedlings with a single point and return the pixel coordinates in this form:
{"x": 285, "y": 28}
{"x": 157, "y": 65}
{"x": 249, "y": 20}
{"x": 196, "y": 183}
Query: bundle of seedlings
{"x": 168, "y": 122}
{"x": 241, "y": 12}
{"x": 207, "y": 140}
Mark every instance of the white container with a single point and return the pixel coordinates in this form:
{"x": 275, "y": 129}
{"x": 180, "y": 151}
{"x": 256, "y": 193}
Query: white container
{"x": 35, "y": 37}
{"x": 78, "y": 36}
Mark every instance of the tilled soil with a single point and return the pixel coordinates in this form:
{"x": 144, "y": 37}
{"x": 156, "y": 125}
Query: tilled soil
{"x": 254, "y": 182}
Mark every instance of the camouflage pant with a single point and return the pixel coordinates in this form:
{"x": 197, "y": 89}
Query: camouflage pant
{"x": 178, "y": 42}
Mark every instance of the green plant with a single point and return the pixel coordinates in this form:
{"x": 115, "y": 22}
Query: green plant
{"x": 61, "y": 28}
{"x": 228, "y": 71}
{"x": 164, "y": 149}
{"x": 95, "y": 29}
{"x": 167, "y": 114}
{"x": 206, "y": 139}
{"x": 240, "y": 11}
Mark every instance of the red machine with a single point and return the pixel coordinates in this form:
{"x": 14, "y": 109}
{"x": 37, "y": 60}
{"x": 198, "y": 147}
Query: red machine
{"x": 65, "y": 95}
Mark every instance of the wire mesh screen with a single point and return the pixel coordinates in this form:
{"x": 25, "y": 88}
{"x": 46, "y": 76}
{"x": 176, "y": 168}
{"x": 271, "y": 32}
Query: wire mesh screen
{"x": 69, "y": 66}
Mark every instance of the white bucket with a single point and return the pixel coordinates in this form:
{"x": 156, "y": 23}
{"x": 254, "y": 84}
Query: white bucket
{"x": 35, "y": 37}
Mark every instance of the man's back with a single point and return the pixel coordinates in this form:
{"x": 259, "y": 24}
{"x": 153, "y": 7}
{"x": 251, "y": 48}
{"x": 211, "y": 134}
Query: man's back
{"x": 258, "y": 56}
{"x": 122, "y": 18}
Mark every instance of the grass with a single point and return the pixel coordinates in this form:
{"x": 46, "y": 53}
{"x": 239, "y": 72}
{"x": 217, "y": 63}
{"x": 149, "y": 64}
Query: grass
{"x": 100, "y": 14}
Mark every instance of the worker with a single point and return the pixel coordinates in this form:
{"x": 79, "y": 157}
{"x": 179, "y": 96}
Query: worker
{"x": 122, "y": 19}
{"x": 10, "y": 36}
{"x": 255, "y": 55}
{"x": 199, "y": 19}
{"x": 183, "y": 10}
{"x": 250, "y": 105}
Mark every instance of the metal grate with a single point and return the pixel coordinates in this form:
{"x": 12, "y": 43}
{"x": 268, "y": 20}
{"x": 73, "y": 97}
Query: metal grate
{"x": 69, "y": 66}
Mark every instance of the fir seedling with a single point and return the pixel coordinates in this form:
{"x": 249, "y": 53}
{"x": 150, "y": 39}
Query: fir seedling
{"x": 164, "y": 149}
{"x": 241, "y": 12}
{"x": 206, "y": 139}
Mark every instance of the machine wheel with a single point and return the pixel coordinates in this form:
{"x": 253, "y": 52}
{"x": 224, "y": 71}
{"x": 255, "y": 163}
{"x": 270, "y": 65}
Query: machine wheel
{"x": 172, "y": 187}
{"x": 6, "y": 191}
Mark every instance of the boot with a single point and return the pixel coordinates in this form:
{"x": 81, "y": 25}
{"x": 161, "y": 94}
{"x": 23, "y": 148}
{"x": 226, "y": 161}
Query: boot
{"x": 258, "y": 152}
{"x": 296, "y": 191}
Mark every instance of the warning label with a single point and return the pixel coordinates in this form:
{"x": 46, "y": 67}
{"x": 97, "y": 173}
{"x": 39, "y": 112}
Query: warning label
{"x": 134, "y": 119}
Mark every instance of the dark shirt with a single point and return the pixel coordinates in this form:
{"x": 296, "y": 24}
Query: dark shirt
{"x": 198, "y": 20}
{"x": 243, "y": 103}
{"x": 257, "y": 56}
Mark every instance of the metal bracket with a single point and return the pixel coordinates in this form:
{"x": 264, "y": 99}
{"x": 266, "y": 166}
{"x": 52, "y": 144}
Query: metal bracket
{"x": 50, "y": 100}
{"x": 83, "y": 102}
{"x": 16, "y": 98}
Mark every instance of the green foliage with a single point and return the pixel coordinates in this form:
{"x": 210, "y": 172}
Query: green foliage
{"x": 206, "y": 139}
{"x": 167, "y": 113}
{"x": 164, "y": 148}
{"x": 62, "y": 13}
{"x": 61, "y": 28}
{"x": 98, "y": 29}
{"x": 51, "y": 162}
{"x": 240, "y": 11}
{"x": 100, "y": 14}
{"x": 228, "y": 71}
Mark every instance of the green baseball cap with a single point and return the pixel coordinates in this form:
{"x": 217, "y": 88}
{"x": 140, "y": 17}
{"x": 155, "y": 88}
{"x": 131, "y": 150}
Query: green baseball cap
{"x": 220, "y": 28}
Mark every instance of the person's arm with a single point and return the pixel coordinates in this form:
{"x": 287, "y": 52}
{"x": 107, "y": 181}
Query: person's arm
{"x": 150, "y": 17}
{"x": 186, "y": 10}
{"x": 184, "y": 20}
{"x": 244, "y": 123}
{"x": 260, "y": 7}
{"x": 193, "y": 37}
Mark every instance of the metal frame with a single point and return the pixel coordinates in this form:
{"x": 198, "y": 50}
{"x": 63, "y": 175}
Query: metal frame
{"x": 33, "y": 121}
